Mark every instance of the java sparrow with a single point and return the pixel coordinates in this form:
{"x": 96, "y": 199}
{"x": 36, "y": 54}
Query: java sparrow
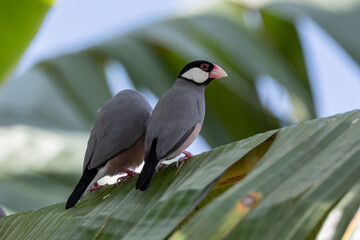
{"x": 177, "y": 117}
{"x": 2, "y": 212}
{"x": 116, "y": 142}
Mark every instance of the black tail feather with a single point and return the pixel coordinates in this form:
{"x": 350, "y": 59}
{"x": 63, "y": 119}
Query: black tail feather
{"x": 148, "y": 170}
{"x": 85, "y": 180}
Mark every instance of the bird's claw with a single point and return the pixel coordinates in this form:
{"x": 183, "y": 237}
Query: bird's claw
{"x": 160, "y": 166}
{"x": 188, "y": 154}
{"x": 97, "y": 187}
{"x": 123, "y": 178}
{"x": 129, "y": 174}
{"x": 183, "y": 159}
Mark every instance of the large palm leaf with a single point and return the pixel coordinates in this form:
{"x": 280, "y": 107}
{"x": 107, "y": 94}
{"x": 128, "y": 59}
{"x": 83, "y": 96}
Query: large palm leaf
{"x": 301, "y": 174}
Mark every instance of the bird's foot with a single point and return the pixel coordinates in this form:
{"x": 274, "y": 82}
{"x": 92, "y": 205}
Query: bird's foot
{"x": 97, "y": 187}
{"x": 160, "y": 166}
{"x": 129, "y": 174}
{"x": 123, "y": 178}
{"x": 183, "y": 159}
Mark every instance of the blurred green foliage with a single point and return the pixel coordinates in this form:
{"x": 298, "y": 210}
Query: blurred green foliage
{"x": 19, "y": 21}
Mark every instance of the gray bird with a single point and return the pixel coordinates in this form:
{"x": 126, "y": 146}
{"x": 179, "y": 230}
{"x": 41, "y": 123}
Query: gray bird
{"x": 116, "y": 142}
{"x": 177, "y": 118}
{"x": 2, "y": 212}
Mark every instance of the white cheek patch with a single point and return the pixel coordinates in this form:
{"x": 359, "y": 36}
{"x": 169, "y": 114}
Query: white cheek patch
{"x": 196, "y": 74}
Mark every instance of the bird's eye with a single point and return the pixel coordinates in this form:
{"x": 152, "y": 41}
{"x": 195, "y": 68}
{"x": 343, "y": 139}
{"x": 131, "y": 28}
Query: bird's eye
{"x": 204, "y": 67}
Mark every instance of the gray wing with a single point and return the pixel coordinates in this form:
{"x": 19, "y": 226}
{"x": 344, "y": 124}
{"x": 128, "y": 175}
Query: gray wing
{"x": 180, "y": 142}
{"x": 174, "y": 119}
{"x": 119, "y": 124}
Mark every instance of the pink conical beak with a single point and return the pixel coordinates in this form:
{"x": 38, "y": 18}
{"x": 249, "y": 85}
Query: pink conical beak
{"x": 217, "y": 72}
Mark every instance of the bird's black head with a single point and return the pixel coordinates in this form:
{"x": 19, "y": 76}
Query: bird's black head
{"x": 202, "y": 72}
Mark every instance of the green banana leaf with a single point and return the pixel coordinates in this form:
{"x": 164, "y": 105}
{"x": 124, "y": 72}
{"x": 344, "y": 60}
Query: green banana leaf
{"x": 302, "y": 174}
{"x": 340, "y": 21}
{"x": 342, "y": 214}
{"x": 19, "y": 21}
{"x": 306, "y": 171}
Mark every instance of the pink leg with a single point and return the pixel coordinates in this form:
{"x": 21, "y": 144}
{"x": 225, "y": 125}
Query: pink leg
{"x": 183, "y": 159}
{"x": 97, "y": 187}
{"x": 129, "y": 173}
{"x": 160, "y": 166}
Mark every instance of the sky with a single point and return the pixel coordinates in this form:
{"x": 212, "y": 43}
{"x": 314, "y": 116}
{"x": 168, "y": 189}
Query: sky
{"x": 70, "y": 26}
{"x": 334, "y": 75}
{"x": 74, "y": 25}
